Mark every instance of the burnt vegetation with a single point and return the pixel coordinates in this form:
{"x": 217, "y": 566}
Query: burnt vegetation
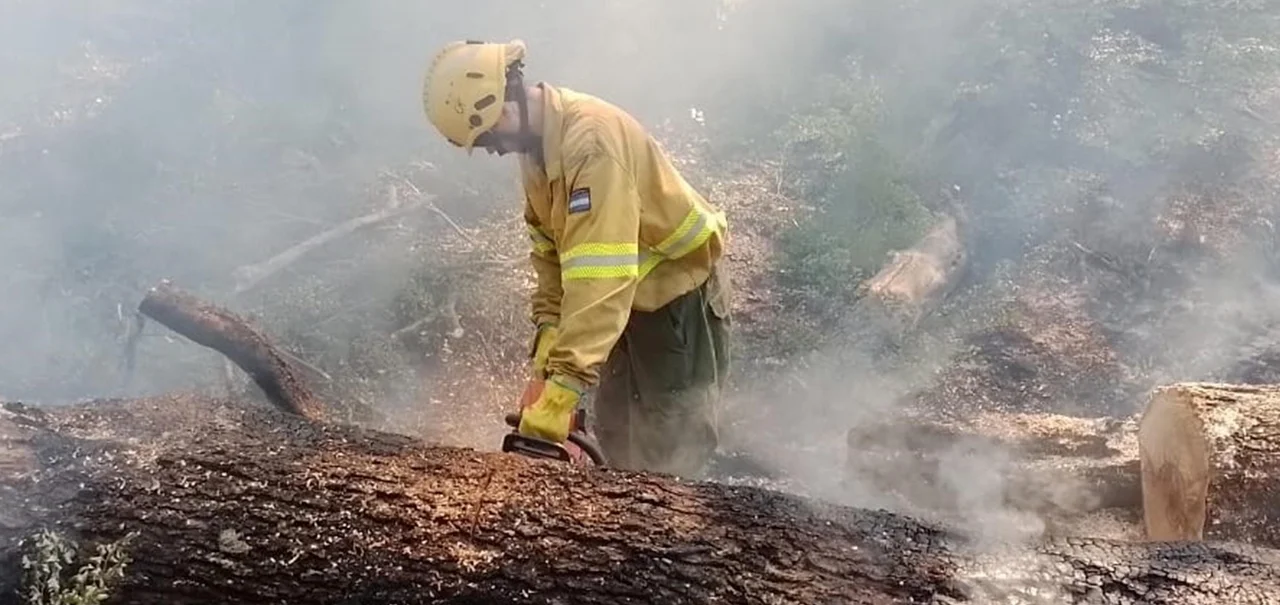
{"x": 975, "y": 244}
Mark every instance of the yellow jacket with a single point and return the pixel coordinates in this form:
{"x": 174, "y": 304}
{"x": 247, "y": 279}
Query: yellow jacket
{"x": 613, "y": 227}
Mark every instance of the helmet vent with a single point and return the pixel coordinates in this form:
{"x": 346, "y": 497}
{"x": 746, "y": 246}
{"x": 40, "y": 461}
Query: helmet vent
{"x": 475, "y": 120}
{"x": 475, "y": 75}
{"x": 485, "y": 102}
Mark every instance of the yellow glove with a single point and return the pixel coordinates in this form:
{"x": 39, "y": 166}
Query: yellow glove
{"x": 542, "y": 343}
{"x": 550, "y": 417}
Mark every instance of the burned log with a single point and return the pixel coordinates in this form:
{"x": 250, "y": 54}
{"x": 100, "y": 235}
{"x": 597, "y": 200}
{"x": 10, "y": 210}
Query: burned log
{"x": 224, "y": 502}
{"x": 1053, "y": 474}
{"x": 1210, "y": 460}
{"x": 234, "y": 337}
{"x": 228, "y": 502}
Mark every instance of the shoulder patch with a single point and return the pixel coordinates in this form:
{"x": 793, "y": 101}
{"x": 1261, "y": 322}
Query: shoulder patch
{"x": 580, "y": 200}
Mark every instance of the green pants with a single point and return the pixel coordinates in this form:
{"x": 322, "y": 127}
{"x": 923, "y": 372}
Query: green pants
{"x": 657, "y": 404}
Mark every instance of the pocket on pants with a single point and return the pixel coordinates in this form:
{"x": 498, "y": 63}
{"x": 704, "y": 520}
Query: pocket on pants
{"x": 718, "y": 292}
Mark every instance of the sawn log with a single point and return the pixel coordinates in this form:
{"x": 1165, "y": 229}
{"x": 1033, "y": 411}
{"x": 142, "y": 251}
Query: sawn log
{"x": 244, "y": 503}
{"x": 1049, "y": 473}
{"x": 1211, "y": 462}
{"x": 916, "y": 280}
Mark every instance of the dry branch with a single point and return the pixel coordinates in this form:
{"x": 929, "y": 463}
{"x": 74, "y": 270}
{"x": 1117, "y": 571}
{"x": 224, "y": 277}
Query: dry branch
{"x": 235, "y": 503}
{"x": 223, "y": 331}
{"x": 248, "y": 276}
{"x": 1211, "y": 462}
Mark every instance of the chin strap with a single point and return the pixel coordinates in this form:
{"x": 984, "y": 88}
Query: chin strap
{"x": 529, "y": 142}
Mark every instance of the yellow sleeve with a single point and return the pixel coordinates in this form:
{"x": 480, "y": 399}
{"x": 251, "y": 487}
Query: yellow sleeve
{"x": 599, "y": 267}
{"x": 545, "y": 302}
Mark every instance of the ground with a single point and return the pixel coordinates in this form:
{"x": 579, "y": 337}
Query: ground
{"x": 1075, "y": 326}
{"x": 417, "y": 324}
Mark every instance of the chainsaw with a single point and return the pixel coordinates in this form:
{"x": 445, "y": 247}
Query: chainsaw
{"x": 578, "y": 448}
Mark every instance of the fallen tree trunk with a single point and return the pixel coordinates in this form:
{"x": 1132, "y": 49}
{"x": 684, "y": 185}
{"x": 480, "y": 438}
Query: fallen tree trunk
{"x": 1053, "y": 474}
{"x": 231, "y": 335}
{"x": 221, "y": 502}
{"x": 229, "y": 502}
{"x": 916, "y": 280}
{"x": 1211, "y": 462}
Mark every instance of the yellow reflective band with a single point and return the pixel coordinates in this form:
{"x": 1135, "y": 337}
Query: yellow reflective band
{"x": 648, "y": 261}
{"x": 542, "y": 245}
{"x": 599, "y": 272}
{"x": 599, "y": 261}
{"x": 692, "y": 232}
{"x": 601, "y": 249}
{"x": 680, "y": 233}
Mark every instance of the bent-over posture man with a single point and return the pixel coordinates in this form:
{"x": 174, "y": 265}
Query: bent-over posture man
{"x": 629, "y": 299}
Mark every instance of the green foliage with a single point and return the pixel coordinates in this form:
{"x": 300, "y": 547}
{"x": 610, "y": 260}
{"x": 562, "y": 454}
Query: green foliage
{"x": 859, "y": 188}
{"x": 185, "y": 139}
{"x": 1025, "y": 106}
{"x": 52, "y": 555}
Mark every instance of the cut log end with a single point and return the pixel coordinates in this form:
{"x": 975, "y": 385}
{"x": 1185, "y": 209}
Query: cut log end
{"x": 1208, "y": 458}
{"x": 915, "y": 281}
{"x": 1175, "y": 467}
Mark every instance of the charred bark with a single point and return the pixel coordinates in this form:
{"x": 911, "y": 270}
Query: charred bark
{"x": 233, "y": 336}
{"x": 1068, "y": 475}
{"x": 241, "y": 503}
{"x": 1210, "y": 463}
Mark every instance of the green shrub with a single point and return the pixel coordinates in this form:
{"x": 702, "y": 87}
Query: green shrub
{"x": 45, "y": 567}
{"x": 863, "y": 203}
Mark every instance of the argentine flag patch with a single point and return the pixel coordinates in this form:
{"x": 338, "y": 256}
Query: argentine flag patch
{"x": 579, "y": 200}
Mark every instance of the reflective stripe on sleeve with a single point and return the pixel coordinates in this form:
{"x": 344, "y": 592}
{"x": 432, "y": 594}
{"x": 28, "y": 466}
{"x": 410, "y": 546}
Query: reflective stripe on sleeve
{"x": 542, "y": 245}
{"x": 693, "y": 231}
{"x": 600, "y": 261}
{"x": 648, "y": 260}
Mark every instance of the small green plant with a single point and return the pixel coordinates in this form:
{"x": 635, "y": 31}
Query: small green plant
{"x": 44, "y": 581}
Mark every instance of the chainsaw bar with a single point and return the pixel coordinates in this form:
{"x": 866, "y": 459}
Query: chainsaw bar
{"x": 540, "y": 448}
{"x": 529, "y": 446}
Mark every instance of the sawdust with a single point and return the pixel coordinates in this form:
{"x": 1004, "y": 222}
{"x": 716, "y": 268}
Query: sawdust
{"x": 15, "y": 456}
{"x": 1062, "y": 435}
{"x": 472, "y": 558}
{"x": 1054, "y": 316}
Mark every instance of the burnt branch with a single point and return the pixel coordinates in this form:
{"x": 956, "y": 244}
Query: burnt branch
{"x": 233, "y": 336}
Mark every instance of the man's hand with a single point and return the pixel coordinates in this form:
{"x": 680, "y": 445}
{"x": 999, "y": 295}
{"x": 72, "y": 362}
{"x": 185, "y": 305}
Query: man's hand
{"x": 551, "y": 416}
{"x": 542, "y": 343}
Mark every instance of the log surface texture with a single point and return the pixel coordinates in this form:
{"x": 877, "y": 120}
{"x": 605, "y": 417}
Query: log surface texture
{"x": 235, "y": 502}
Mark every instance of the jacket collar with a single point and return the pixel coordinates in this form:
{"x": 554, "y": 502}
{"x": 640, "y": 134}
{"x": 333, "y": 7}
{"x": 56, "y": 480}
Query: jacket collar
{"x": 552, "y": 130}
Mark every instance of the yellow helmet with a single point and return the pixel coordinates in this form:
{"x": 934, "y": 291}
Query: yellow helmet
{"x": 464, "y": 88}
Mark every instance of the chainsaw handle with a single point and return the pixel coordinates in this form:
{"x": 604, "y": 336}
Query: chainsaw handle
{"x": 577, "y": 438}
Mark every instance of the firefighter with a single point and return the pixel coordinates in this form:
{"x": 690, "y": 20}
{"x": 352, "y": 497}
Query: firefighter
{"x": 630, "y": 298}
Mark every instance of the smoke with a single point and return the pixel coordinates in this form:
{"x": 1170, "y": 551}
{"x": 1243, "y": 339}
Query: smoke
{"x": 184, "y": 140}
{"x": 1066, "y": 127}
